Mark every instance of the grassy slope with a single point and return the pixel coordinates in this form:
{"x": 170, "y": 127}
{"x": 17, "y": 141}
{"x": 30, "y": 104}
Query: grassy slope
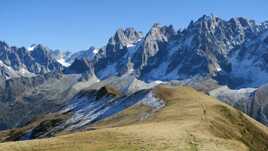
{"x": 191, "y": 121}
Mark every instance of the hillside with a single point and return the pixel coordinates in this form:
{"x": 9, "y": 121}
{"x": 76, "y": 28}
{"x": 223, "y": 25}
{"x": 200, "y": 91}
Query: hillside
{"x": 189, "y": 121}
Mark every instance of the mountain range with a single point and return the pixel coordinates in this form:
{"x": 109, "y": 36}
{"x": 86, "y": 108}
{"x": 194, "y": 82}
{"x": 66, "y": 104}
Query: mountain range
{"x": 45, "y": 92}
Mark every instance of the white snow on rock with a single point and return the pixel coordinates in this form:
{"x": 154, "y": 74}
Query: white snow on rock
{"x": 87, "y": 110}
{"x": 130, "y": 45}
{"x": 31, "y": 48}
{"x": 63, "y": 62}
{"x": 8, "y": 72}
{"x": 218, "y": 68}
{"x": 92, "y": 53}
{"x": 96, "y": 50}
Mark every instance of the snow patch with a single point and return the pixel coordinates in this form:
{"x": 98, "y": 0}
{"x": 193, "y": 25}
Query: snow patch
{"x": 62, "y": 61}
{"x": 95, "y": 51}
{"x": 130, "y": 45}
{"x": 31, "y": 48}
{"x": 218, "y": 68}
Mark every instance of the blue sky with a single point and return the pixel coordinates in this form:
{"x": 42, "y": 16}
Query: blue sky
{"x": 78, "y": 24}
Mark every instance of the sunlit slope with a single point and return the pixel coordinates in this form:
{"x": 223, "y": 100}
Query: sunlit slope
{"x": 191, "y": 121}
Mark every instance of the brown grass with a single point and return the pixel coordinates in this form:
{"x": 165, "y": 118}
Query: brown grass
{"x": 191, "y": 121}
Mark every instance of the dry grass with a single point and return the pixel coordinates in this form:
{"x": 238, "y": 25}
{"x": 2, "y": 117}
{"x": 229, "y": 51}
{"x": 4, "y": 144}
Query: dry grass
{"x": 191, "y": 121}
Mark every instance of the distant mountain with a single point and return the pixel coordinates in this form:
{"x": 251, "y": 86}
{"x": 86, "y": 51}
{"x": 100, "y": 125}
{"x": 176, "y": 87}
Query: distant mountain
{"x": 22, "y": 62}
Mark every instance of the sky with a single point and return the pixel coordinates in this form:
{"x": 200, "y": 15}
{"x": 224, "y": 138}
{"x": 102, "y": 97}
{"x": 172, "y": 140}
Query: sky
{"x": 78, "y": 24}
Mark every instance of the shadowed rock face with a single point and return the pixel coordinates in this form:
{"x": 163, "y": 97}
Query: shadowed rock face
{"x": 79, "y": 66}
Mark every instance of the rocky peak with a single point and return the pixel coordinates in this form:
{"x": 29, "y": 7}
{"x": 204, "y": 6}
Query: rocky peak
{"x": 153, "y": 46}
{"x": 41, "y": 48}
{"x": 169, "y": 31}
{"x": 41, "y": 54}
{"x": 242, "y": 22}
{"x": 205, "y": 23}
{"x": 3, "y": 45}
{"x": 92, "y": 49}
{"x": 156, "y": 33}
{"x": 132, "y": 34}
{"x": 156, "y": 38}
{"x": 124, "y": 37}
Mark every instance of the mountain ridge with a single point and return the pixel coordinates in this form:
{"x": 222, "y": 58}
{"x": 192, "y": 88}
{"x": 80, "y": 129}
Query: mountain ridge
{"x": 206, "y": 47}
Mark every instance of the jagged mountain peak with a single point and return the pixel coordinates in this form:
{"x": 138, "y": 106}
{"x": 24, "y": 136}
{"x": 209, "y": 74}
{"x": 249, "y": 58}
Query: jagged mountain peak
{"x": 157, "y": 28}
{"x": 208, "y": 18}
{"x": 205, "y": 21}
{"x": 125, "y": 37}
{"x": 155, "y": 33}
{"x": 244, "y": 22}
{"x": 41, "y": 53}
{"x": 93, "y": 50}
{"x": 132, "y": 34}
{"x": 40, "y": 47}
{"x": 3, "y": 45}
